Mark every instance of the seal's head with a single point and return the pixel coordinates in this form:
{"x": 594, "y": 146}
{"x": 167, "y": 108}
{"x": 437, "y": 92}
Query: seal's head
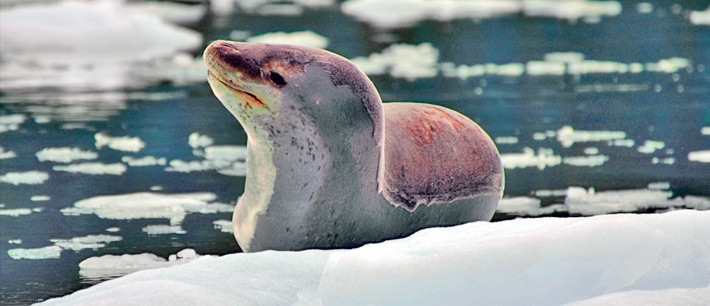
{"x": 259, "y": 82}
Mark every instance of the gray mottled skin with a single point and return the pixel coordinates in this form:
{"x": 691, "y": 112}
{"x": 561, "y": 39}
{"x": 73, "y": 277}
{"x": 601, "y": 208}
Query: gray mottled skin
{"x": 329, "y": 167}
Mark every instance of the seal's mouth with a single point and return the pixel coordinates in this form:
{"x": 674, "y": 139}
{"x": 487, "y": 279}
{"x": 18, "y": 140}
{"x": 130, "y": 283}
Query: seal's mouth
{"x": 249, "y": 99}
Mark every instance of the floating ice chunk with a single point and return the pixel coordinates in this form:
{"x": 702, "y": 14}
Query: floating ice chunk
{"x": 670, "y": 65}
{"x": 524, "y": 206}
{"x": 407, "y": 13}
{"x": 283, "y": 9}
{"x": 542, "y": 159}
{"x": 223, "y": 225}
{"x": 589, "y": 202}
{"x": 113, "y": 229}
{"x": 49, "y": 252}
{"x": 142, "y": 206}
{"x": 402, "y": 61}
{"x": 29, "y": 177}
{"x": 585, "y": 161}
{"x": 40, "y": 198}
{"x": 550, "y": 193}
{"x": 567, "y": 136}
{"x": 65, "y": 155}
{"x": 506, "y": 140}
{"x": 705, "y": 130}
{"x": 81, "y": 32}
{"x": 651, "y": 146}
{"x": 591, "y": 151}
{"x": 622, "y": 143}
{"x": 696, "y": 202}
{"x": 11, "y": 122}
{"x": 696, "y": 156}
{"x": 15, "y": 212}
{"x": 537, "y": 68}
{"x": 301, "y": 38}
{"x": 6, "y": 154}
{"x": 227, "y": 160}
{"x": 87, "y": 242}
{"x": 15, "y": 241}
{"x": 229, "y": 153}
{"x": 161, "y": 229}
{"x": 93, "y": 168}
{"x": 196, "y": 141}
{"x": 700, "y": 17}
{"x": 170, "y": 11}
{"x": 644, "y": 8}
{"x": 659, "y": 186}
{"x": 144, "y": 161}
{"x": 574, "y": 10}
{"x": 109, "y": 266}
{"x": 126, "y": 143}
{"x": 564, "y": 57}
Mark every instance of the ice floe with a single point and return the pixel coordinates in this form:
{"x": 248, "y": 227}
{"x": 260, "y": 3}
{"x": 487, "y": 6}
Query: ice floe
{"x": 700, "y": 17}
{"x": 300, "y": 38}
{"x": 49, "y": 252}
{"x": 40, "y": 198}
{"x": 567, "y": 136}
{"x": 587, "y": 201}
{"x": 125, "y": 143}
{"x": 402, "y": 61}
{"x": 11, "y": 122}
{"x": 86, "y": 242}
{"x": 585, "y": 161}
{"x": 107, "y": 266}
{"x": 162, "y": 229}
{"x": 702, "y": 156}
{"x": 223, "y": 225}
{"x": 529, "y": 158}
{"x": 6, "y": 154}
{"x": 147, "y": 205}
{"x": 93, "y": 168}
{"x": 407, "y": 13}
{"x": 29, "y": 177}
{"x": 86, "y": 45}
{"x": 266, "y": 7}
{"x": 196, "y": 141}
{"x": 15, "y": 212}
{"x": 144, "y": 161}
{"x": 503, "y": 140}
{"x": 71, "y": 32}
{"x": 65, "y": 155}
{"x": 548, "y": 261}
{"x": 226, "y": 159}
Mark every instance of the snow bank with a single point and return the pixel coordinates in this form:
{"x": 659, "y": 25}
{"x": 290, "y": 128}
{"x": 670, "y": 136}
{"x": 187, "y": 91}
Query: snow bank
{"x": 548, "y": 261}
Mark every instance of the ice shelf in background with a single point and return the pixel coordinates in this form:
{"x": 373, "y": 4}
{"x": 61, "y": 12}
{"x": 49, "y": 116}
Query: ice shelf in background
{"x": 548, "y": 261}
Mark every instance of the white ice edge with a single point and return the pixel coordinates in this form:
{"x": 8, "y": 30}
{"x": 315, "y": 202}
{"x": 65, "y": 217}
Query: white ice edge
{"x": 549, "y": 261}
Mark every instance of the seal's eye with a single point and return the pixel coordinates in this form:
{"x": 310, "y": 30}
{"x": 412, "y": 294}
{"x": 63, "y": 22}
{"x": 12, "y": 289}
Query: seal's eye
{"x": 277, "y": 79}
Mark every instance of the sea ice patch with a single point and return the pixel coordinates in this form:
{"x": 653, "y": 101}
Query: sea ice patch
{"x": 116, "y": 265}
{"x": 161, "y": 229}
{"x": 29, "y": 178}
{"x": 125, "y": 143}
{"x": 223, "y": 225}
{"x": 65, "y": 155}
{"x": 402, "y": 61}
{"x": 696, "y": 156}
{"x": 93, "y": 168}
{"x": 6, "y": 154}
{"x": 86, "y": 242}
{"x": 11, "y": 122}
{"x": 147, "y": 205}
{"x": 300, "y": 38}
{"x": 49, "y": 252}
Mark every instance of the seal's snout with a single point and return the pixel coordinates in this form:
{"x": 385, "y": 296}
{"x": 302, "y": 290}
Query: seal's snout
{"x": 229, "y": 54}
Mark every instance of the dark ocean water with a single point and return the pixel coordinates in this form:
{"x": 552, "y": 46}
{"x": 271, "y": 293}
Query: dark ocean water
{"x": 671, "y": 108}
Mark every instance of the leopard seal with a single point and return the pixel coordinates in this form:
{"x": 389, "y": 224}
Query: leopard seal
{"x": 330, "y": 166}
